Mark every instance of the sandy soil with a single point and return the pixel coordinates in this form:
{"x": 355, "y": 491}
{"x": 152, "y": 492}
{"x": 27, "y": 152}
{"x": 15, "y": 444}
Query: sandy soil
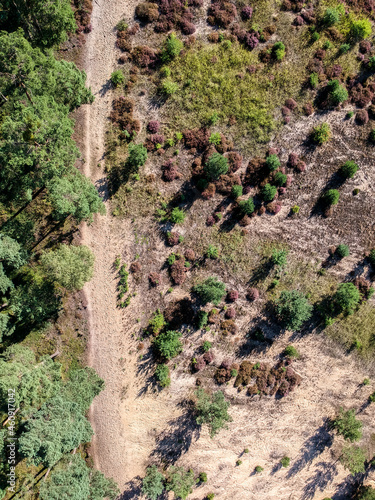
{"x": 134, "y": 425}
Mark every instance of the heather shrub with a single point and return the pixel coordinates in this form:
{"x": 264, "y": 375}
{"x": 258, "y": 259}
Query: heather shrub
{"x": 168, "y": 344}
{"x": 236, "y": 191}
{"x": 293, "y": 160}
{"x": 252, "y": 294}
{"x": 321, "y": 133}
{"x": 154, "y": 279}
{"x": 346, "y": 298}
{"x": 291, "y": 104}
{"x": 247, "y": 206}
{"x": 177, "y": 216}
{"x": 280, "y": 179}
{"x": 210, "y": 290}
{"x": 268, "y": 192}
{"x": 178, "y": 272}
{"x": 347, "y": 425}
{"x": 147, "y": 12}
{"x": 232, "y": 295}
{"x": 293, "y": 309}
{"x": 212, "y": 252}
{"x": 162, "y": 375}
{"x": 153, "y": 126}
{"x": 353, "y": 458}
{"x": 246, "y": 12}
{"x": 173, "y": 238}
{"x": 171, "y": 48}
{"x": 273, "y": 162}
{"x": 361, "y": 117}
{"x": 117, "y": 78}
{"x": 349, "y": 169}
{"x": 342, "y": 251}
{"x": 216, "y": 166}
{"x": 331, "y": 197}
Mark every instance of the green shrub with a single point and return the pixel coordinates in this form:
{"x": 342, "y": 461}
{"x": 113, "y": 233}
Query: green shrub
{"x": 247, "y": 206}
{"x": 168, "y": 87}
{"x": 293, "y": 309}
{"x": 268, "y": 192}
{"x": 137, "y": 156}
{"x": 314, "y": 80}
{"x": 353, "y": 458}
{"x": 314, "y": 36}
{"x": 122, "y": 25}
{"x": 337, "y": 92}
{"x": 168, "y": 344}
{"x": 285, "y": 461}
{"x": 327, "y": 45}
{"x": 331, "y": 16}
{"x": 162, "y": 375}
{"x": 344, "y": 48}
{"x": 177, "y": 216}
{"x": 212, "y": 252}
{"x": 216, "y": 166}
{"x": 321, "y": 133}
{"x": 210, "y": 290}
{"x": 360, "y": 29}
{"x": 342, "y": 251}
{"x": 157, "y": 323}
{"x": 258, "y": 469}
{"x": 210, "y": 496}
{"x": 171, "y": 48}
{"x": 349, "y": 169}
{"x": 366, "y": 381}
{"x": 347, "y": 425}
{"x": 372, "y": 397}
{"x": 213, "y": 119}
{"x": 165, "y": 72}
{"x": 215, "y": 138}
{"x": 239, "y": 462}
{"x": 372, "y": 257}
{"x": 365, "y": 493}
{"x": 206, "y": 345}
{"x": 153, "y": 483}
{"x": 273, "y": 162}
{"x": 180, "y": 482}
{"x": 203, "y": 477}
{"x": 278, "y": 51}
{"x": 346, "y": 298}
{"x": 117, "y": 78}
{"x": 212, "y": 409}
{"x": 227, "y": 44}
{"x": 279, "y": 258}
{"x": 280, "y": 179}
{"x": 331, "y": 197}
{"x": 295, "y": 209}
{"x": 237, "y": 191}
{"x": 202, "y": 319}
{"x": 291, "y": 352}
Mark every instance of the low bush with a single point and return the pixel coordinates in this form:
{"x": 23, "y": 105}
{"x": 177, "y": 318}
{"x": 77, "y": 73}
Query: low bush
{"x": 291, "y": 352}
{"x": 162, "y": 375}
{"x": 147, "y": 12}
{"x": 168, "y": 344}
{"x": 258, "y": 469}
{"x": 212, "y": 252}
{"x": 342, "y": 251}
{"x": 346, "y": 298}
{"x": 210, "y": 290}
{"x": 202, "y": 477}
{"x": 347, "y": 425}
{"x": 285, "y": 461}
{"x": 321, "y": 133}
{"x": 252, "y": 294}
{"x": 215, "y": 138}
{"x": 272, "y": 162}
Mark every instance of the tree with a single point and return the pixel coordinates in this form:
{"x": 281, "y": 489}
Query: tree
{"x": 137, "y": 156}
{"x": 236, "y": 191}
{"x": 216, "y": 166}
{"x": 117, "y": 78}
{"x": 210, "y": 290}
{"x": 70, "y": 266}
{"x": 331, "y": 16}
{"x": 278, "y": 51}
{"x": 180, "y": 481}
{"x": 273, "y": 162}
{"x": 365, "y": 493}
{"x": 168, "y": 344}
{"x": 349, "y": 169}
{"x": 162, "y": 375}
{"x": 11, "y": 253}
{"x": 46, "y": 22}
{"x": 212, "y": 409}
{"x": 342, "y": 251}
{"x": 75, "y": 195}
{"x": 102, "y": 487}
{"x": 347, "y": 425}
{"x": 212, "y": 252}
{"x": 360, "y": 29}
{"x": 353, "y": 458}
{"x": 293, "y": 309}
{"x": 268, "y": 192}
{"x": 153, "y": 483}
{"x": 247, "y": 206}
{"x": 57, "y": 428}
{"x": 83, "y": 385}
{"x": 171, "y": 48}
{"x": 346, "y": 298}
{"x": 279, "y": 258}
{"x": 331, "y": 197}
{"x": 337, "y": 92}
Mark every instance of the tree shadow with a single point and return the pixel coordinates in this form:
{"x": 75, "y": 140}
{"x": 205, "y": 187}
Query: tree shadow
{"x": 322, "y": 477}
{"x": 106, "y": 87}
{"x": 261, "y": 272}
{"x": 176, "y": 440}
{"x": 257, "y": 341}
{"x": 132, "y": 490}
{"x": 312, "y": 448}
{"x": 102, "y": 188}
{"x": 345, "y": 489}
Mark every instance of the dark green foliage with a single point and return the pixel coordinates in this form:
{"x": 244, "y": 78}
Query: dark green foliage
{"x": 279, "y": 258}
{"x": 45, "y": 23}
{"x": 331, "y": 197}
{"x": 258, "y": 469}
{"x": 285, "y": 461}
{"x": 278, "y": 51}
{"x": 273, "y": 162}
{"x": 247, "y": 206}
{"x": 212, "y": 409}
{"x": 337, "y": 92}
{"x": 347, "y": 425}
{"x": 293, "y": 309}
{"x": 291, "y": 352}
{"x": 162, "y": 375}
{"x": 353, "y": 458}
{"x": 216, "y": 166}
{"x": 69, "y": 266}
{"x": 210, "y": 290}
{"x": 168, "y": 344}
{"x": 342, "y": 251}
{"x": 321, "y": 133}
{"x": 102, "y": 487}
{"x": 346, "y": 298}
{"x": 203, "y": 477}
{"x": 372, "y": 257}
{"x": 153, "y": 483}
{"x": 180, "y": 481}
{"x": 202, "y": 319}
{"x": 57, "y": 428}
{"x": 365, "y": 493}
{"x": 171, "y": 48}
{"x": 331, "y": 16}
{"x": 344, "y": 48}
{"x": 137, "y": 156}
{"x": 82, "y": 387}
{"x": 237, "y": 191}
{"x": 349, "y": 169}
{"x": 268, "y": 192}
{"x": 157, "y": 322}
{"x": 280, "y": 179}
